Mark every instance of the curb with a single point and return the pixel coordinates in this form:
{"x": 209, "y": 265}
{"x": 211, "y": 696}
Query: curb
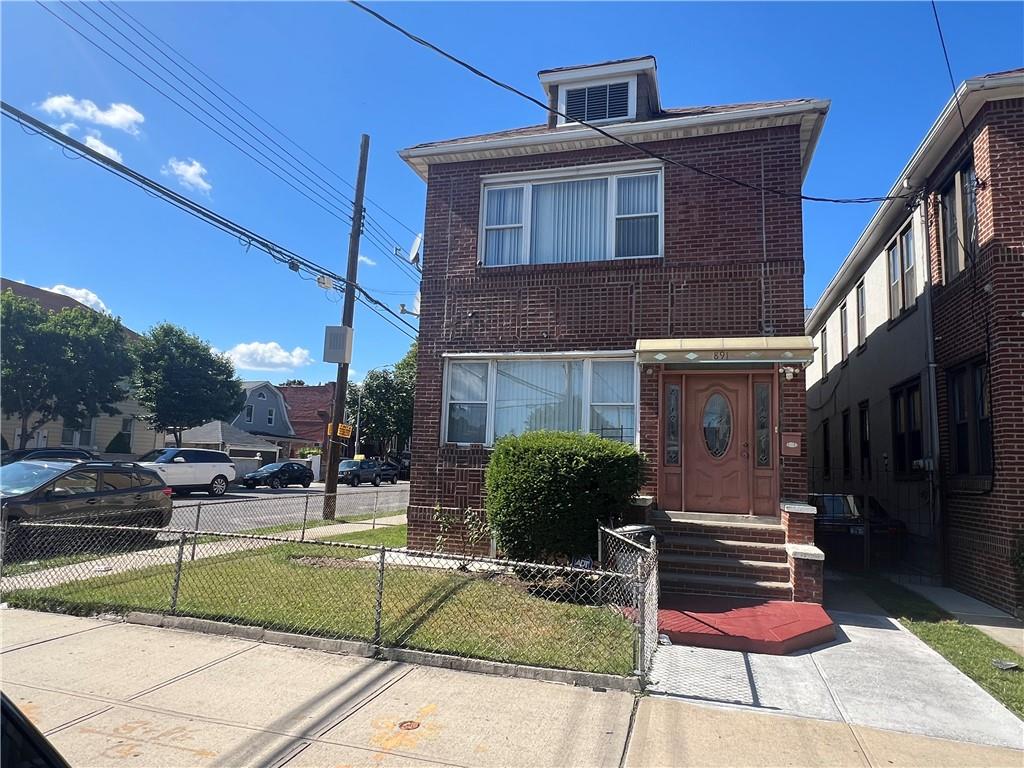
{"x": 369, "y": 651}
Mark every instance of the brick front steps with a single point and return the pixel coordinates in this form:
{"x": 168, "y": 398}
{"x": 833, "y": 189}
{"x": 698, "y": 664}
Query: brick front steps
{"x": 736, "y": 624}
{"x": 724, "y": 555}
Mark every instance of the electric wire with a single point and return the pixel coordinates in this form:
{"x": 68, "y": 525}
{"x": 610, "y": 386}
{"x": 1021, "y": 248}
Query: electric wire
{"x": 649, "y": 152}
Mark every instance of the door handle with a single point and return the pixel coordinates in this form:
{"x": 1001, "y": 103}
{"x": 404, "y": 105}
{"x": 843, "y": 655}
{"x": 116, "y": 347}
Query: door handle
{"x": 90, "y": 501}
{"x": 138, "y": 497}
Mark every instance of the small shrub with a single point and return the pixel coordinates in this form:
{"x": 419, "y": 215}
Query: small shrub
{"x": 120, "y": 444}
{"x": 547, "y": 490}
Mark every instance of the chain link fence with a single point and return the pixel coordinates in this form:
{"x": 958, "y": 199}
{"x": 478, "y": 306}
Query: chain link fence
{"x": 588, "y": 619}
{"x": 639, "y": 564}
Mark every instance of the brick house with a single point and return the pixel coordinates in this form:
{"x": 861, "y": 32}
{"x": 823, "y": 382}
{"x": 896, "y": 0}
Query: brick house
{"x": 570, "y": 282}
{"x": 915, "y": 393}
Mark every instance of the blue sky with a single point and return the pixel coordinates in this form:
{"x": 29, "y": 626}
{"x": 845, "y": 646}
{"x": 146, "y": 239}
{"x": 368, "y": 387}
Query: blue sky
{"x": 325, "y": 72}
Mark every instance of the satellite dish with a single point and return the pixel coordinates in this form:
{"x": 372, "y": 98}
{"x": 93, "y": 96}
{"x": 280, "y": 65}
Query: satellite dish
{"x": 414, "y": 251}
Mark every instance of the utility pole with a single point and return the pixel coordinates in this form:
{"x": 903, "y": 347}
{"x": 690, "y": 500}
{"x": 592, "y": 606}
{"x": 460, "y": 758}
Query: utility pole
{"x": 347, "y": 314}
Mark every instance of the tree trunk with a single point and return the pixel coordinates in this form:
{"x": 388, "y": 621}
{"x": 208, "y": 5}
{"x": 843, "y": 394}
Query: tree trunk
{"x": 23, "y": 440}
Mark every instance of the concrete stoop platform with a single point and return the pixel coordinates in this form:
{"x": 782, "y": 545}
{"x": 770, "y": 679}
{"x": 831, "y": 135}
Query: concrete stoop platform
{"x": 773, "y": 627}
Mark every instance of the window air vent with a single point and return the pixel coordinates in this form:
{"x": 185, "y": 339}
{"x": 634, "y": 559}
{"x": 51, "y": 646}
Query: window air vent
{"x": 598, "y": 102}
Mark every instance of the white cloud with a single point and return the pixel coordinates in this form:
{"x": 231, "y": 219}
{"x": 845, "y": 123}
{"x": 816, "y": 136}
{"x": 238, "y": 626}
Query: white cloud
{"x": 83, "y": 295}
{"x": 93, "y": 142}
{"x": 367, "y": 261}
{"x": 67, "y": 128}
{"x": 189, "y": 173}
{"x": 122, "y": 116}
{"x": 267, "y": 356}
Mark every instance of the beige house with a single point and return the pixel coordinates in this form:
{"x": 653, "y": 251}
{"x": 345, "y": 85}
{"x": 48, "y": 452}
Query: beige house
{"x": 101, "y": 432}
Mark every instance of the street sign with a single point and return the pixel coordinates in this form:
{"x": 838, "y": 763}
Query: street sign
{"x": 344, "y": 430}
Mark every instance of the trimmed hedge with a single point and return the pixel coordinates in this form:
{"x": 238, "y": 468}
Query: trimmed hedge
{"x": 546, "y": 492}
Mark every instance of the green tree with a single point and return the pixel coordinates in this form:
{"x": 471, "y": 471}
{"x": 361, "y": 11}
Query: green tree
{"x": 384, "y": 410}
{"x": 70, "y": 364}
{"x": 293, "y": 383}
{"x": 182, "y": 382}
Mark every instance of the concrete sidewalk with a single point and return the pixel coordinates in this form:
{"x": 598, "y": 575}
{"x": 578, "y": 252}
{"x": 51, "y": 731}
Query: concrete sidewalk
{"x": 166, "y": 555}
{"x": 997, "y": 624}
{"x": 108, "y": 693}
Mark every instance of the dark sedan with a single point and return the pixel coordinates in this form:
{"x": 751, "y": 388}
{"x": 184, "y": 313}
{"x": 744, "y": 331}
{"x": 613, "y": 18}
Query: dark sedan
{"x": 46, "y": 454}
{"x": 841, "y": 523}
{"x": 354, "y": 472}
{"x": 280, "y": 475}
{"x": 99, "y": 492}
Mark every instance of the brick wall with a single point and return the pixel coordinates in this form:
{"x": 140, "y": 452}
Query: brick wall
{"x": 982, "y": 525}
{"x": 718, "y": 277}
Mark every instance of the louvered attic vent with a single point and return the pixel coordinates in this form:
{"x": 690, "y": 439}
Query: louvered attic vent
{"x": 598, "y": 102}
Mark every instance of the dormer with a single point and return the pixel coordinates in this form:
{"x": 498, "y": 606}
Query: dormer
{"x": 613, "y": 92}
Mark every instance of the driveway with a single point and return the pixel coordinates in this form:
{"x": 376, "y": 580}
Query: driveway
{"x": 242, "y": 510}
{"x": 108, "y": 694}
{"x": 876, "y": 673}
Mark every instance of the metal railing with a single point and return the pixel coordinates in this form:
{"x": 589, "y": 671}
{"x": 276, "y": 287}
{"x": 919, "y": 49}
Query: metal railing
{"x": 639, "y": 563}
{"x": 589, "y": 619}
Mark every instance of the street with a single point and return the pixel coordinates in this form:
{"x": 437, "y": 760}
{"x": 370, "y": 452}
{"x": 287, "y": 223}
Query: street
{"x": 243, "y": 510}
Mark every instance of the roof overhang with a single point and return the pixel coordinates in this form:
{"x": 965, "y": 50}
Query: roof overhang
{"x": 972, "y": 95}
{"x": 792, "y": 350}
{"x": 809, "y": 115}
{"x": 567, "y": 75}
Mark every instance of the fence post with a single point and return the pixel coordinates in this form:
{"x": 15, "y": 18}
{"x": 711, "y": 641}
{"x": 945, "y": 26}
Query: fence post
{"x": 3, "y": 546}
{"x": 177, "y": 572}
{"x": 600, "y": 546}
{"x": 305, "y": 514}
{"x": 641, "y": 617}
{"x": 195, "y": 528}
{"x": 379, "y": 608}
{"x": 376, "y": 496}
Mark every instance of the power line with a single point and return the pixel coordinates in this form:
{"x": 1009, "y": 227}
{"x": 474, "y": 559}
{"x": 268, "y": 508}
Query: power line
{"x": 245, "y": 236}
{"x": 328, "y": 205}
{"x": 125, "y": 16}
{"x": 949, "y": 67}
{"x": 650, "y": 153}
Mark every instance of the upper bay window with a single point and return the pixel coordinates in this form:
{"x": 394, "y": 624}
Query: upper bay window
{"x": 488, "y": 399}
{"x": 597, "y": 217}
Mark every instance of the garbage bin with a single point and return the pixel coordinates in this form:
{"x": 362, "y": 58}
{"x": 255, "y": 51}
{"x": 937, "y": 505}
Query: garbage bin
{"x": 624, "y": 558}
{"x": 641, "y": 534}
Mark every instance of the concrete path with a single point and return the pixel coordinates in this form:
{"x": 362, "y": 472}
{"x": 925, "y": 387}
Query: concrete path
{"x": 110, "y": 694}
{"x": 165, "y": 555}
{"x": 875, "y": 674}
{"x": 997, "y": 624}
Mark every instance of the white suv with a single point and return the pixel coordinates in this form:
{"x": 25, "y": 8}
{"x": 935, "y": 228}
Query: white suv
{"x": 191, "y": 469}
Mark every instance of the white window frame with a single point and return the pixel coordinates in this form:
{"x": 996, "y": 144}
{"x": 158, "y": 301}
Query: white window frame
{"x": 588, "y": 358}
{"x": 610, "y": 171}
{"x": 76, "y": 438}
{"x": 564, "y": 88}
{"x": 261, "y": 395}
{"x": 270, "y": 417}
{"x": 250, "y": 410}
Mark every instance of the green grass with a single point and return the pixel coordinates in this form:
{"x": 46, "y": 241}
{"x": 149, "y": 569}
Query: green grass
{"x": 322, "y": 590}
{"x": 969, "y": 649}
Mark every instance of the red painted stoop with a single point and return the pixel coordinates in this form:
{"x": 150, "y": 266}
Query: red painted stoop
{"x": 774, "y": 627}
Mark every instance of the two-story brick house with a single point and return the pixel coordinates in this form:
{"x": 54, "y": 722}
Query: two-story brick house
{"x": 916, "y": 392}
{"x": 573, "y": 283}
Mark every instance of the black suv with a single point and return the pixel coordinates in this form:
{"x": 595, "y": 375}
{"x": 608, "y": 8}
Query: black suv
{"x": 355, "y": 472}
{"x": 279, "y": 475}
{"x": 46, "y": 454}
{"x": 116, "y": 493}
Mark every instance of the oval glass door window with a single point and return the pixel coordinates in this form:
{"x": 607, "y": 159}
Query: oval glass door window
{"x": 717, "y": 425}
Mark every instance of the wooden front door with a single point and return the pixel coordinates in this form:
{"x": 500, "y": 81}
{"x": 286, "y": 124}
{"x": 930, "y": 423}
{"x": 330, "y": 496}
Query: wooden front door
{"x": 718, "y": 435}
{"x": 717, "y": 444}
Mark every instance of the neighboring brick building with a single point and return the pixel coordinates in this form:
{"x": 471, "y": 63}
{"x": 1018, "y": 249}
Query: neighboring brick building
{"x": 309, "y": 410}
{"x": 570, "y": 282}
{"x": 941, "y": 364}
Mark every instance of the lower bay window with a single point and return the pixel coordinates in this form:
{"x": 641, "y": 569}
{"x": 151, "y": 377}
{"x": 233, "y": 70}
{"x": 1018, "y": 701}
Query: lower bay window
{"x": 489, "y": 398}
{"x": 594, "y": 215}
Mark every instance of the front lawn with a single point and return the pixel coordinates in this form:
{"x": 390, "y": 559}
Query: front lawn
{"x": 967, "y": 648}
{"x": 331, "y": 592}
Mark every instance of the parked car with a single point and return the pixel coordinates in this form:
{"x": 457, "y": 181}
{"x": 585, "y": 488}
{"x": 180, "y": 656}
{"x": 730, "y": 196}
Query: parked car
{"x": 46, "y": 454}
{"x": 279, "y": 475}
{"x": 115, "y": 493}
{"x": 840, "y": 525}
{"x": 354, "y": 472}
{"x": 403, "y": 461}
{"x": 191, "y": 469}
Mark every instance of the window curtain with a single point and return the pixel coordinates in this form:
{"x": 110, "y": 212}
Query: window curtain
{"x": 504, "y": 209}
{"x": 637, "y": 199}
{"x": 612, "y": 412}
{"x": 536, "y": 394}
{"x": 467, "y": 402}
{"x": 569, "y": 220}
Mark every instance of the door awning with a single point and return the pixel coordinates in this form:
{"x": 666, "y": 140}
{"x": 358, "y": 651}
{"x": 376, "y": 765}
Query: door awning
{"x": 797, "y": 350}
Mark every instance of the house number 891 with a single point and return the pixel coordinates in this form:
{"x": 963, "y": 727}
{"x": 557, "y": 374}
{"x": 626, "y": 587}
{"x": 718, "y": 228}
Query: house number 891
{"x": 721, "y": 355}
